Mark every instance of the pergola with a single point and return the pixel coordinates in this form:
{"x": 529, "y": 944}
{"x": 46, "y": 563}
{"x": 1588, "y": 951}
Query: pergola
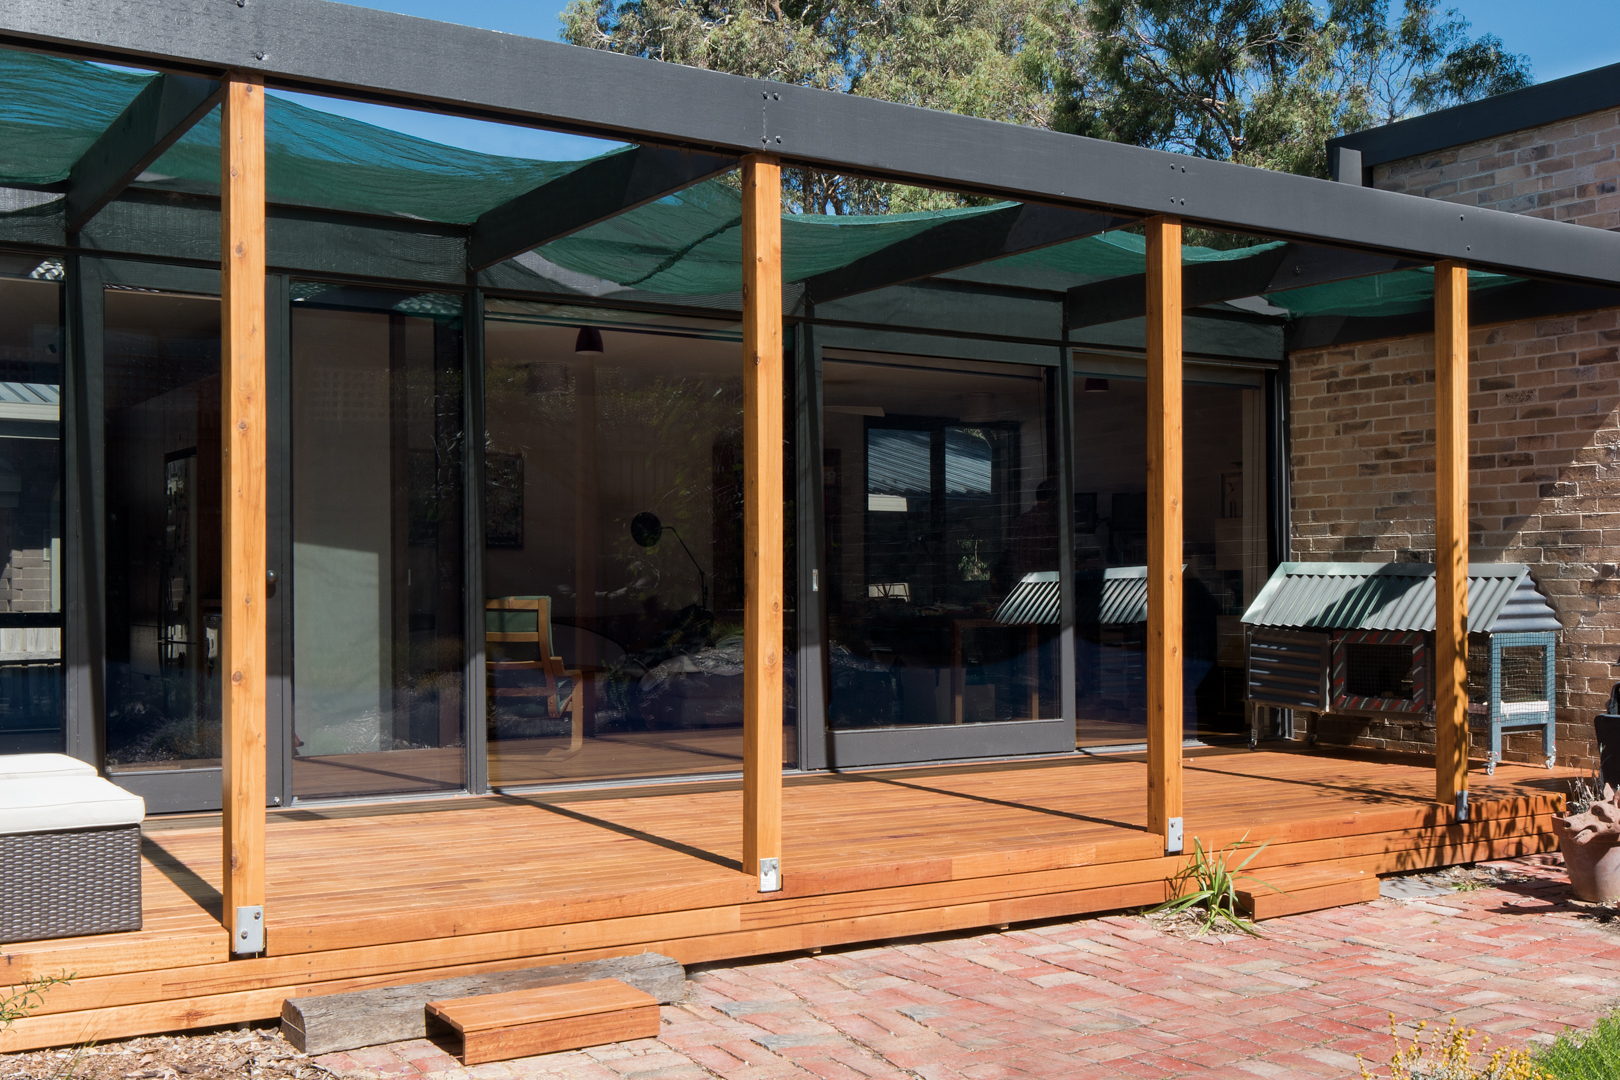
{"x": 690, "y": 125}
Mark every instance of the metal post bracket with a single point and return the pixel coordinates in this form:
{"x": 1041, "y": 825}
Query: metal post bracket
{"x": 1173, "y": 843}
{"x": 248, "y": 937}
{"x": 770, "y": 875}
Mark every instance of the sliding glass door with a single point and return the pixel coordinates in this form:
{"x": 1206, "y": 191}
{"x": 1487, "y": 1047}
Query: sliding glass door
{"x": 613, "y": 532}
{"x": 941, "y": 541}
{"x": 30, "y": 506}
{"x": 377, "y": 543}
{"x": 1224, "y": 547}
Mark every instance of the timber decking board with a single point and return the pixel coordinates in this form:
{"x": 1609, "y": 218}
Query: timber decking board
{"x": 509, "y": 882}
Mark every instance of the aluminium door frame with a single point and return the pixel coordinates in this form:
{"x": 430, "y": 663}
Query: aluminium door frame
{"x": 820, "y": 745}
{"x": 87, "y": 278}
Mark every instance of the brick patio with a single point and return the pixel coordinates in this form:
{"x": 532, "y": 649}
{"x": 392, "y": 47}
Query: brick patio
{"x": 1116, "y": 997}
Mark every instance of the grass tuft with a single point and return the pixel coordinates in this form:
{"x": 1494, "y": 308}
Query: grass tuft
{"x": 1589, "y": 1055}
{"x": 1209, "y": 881}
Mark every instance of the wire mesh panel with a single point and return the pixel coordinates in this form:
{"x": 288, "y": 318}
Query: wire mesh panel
{"x": 1378, "y": 670}
{"x": 1523, "y": 676}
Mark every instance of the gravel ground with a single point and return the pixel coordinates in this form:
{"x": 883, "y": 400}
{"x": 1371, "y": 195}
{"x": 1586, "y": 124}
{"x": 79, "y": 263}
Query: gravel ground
{"x": 257, "y": 1055}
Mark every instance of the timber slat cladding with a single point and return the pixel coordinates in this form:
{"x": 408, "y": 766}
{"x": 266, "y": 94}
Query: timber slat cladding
{"x": 510, "y": 882}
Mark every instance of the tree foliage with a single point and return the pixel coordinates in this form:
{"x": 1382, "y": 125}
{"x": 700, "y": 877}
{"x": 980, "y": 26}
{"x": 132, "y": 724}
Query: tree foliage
{"x": 1268, "y": 82}
{"x": 1262, "y": 82}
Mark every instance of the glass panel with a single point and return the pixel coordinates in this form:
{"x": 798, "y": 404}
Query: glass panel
{"x": 614, "y": 533}
{"x": 163, "y": 530}
{"x": 939, "y": 487}
{"x": 1223, "y": 545}
{"x": 377, "y": 525}
{"x": 30, "y": 507}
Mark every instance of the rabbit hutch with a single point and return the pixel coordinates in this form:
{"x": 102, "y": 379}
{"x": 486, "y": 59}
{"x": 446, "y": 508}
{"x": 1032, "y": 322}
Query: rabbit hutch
{"x": 1355, "y": 640}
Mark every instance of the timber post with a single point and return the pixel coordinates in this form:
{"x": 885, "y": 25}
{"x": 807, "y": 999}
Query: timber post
{"x": 1164, "y": 540}
{"x": 243, "y": 647}
{"x": 1451, "y": 536}
{"x": 762, "y": 520}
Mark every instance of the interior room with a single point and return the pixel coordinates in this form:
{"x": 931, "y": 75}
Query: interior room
{"x": 613, "y": 494}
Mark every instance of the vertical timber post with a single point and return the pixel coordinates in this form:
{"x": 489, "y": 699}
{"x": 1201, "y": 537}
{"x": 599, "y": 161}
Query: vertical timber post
{"x": 242, "y": 258}
{"x": 762, "y": 520}
{"x": 1451, "y": 536}
{"x": 1164, "y": 477}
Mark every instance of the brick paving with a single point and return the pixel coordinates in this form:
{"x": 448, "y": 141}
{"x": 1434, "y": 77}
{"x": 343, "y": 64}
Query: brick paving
{"x": 1117, "y": 997}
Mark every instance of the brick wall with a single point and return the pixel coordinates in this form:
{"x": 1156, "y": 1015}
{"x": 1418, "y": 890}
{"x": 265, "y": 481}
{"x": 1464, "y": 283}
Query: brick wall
{"x": 1544, "y": 415}
{"x": 1566, "y": 171}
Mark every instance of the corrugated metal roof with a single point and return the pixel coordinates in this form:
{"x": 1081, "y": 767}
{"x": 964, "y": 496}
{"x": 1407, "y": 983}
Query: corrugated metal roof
{"x": 1035, "y": 599}
{"x": 1115, "y": 597}
{"x": 16, "y": 393}
{"x": 1502, "y": 597}
{"x": 899, "y": 462}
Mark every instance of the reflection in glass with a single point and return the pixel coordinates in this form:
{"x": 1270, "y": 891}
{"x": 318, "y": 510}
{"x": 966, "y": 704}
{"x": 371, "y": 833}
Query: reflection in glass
{"x": 939, "y": 490}
{"x": 1223, "y": 550}
{"x": 163, "y": 530}
{"x": 613, "y": 569}
{"x": 30, "y": 508}
{"x": 377, "y": 544}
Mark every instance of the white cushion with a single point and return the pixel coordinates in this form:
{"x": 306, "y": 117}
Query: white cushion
{"x": 65, "y": 803}
{"x": 39, "y": 766}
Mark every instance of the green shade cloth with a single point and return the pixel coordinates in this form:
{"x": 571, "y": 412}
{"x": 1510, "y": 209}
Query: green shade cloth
{"x": 1400, "y": 293}
{"x": 52, "y": 110}
{"x": 686, "y": 244}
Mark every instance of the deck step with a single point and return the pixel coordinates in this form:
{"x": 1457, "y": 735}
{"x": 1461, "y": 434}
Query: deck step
{"x": 1296, "y": 889}
{"x": 545, "y": 1019}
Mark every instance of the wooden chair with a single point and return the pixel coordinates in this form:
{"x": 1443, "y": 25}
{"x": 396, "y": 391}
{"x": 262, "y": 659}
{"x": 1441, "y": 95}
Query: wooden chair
{"x": 526, "y": 621}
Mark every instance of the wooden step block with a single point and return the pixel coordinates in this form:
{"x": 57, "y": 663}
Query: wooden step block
{"x": 1297, "y": 889}
{"x": 327, "y": 1023}
{"x": 543, "y": 1020}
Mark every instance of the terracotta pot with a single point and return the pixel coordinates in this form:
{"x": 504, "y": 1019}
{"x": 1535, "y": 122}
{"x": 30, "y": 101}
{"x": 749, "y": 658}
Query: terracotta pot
{"x": 1593, "y": 867}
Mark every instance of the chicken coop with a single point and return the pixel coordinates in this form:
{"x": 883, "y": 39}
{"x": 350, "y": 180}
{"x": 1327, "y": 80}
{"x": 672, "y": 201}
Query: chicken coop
{"x": 1357, "y": 639}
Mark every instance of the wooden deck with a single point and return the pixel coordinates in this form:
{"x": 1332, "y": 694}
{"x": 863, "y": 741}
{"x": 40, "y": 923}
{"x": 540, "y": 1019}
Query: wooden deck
{"x": 385, "y": 894}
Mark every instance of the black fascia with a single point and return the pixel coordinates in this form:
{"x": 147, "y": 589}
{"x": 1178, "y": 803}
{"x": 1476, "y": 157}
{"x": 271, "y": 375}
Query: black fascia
{"x": 1290, "y": 266}
{"x": 594, "y": 192}
{"x": 1518, "y": 302}
{"x": 958, "y": 243}
{"x": 319, "y": 46}
{"x": 168, "y": 107}
{"x": 1532, "y": 107}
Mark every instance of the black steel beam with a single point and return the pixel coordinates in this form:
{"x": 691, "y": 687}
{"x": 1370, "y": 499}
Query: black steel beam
{"x": 595, "y": 192}
{"x": 377, "y": 56}
{"x": 1291, "y": 266}
{"x": 959, "y": 243}
{"x": 1518, "y": 302}
{"x": 162, "y": 112}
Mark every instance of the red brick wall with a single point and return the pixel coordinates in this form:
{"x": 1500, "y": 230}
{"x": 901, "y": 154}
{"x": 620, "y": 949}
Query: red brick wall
{"x": 1544, "y": 432}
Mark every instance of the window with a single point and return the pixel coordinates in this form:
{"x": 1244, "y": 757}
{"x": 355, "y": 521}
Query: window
{"x": 30, "y": 506}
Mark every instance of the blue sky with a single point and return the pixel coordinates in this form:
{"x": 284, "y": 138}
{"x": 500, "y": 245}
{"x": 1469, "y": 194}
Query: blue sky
{"x": 1561, "y": 37}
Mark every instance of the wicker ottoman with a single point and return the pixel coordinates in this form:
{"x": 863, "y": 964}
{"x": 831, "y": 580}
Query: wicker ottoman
{"x": 70, "y": 851}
